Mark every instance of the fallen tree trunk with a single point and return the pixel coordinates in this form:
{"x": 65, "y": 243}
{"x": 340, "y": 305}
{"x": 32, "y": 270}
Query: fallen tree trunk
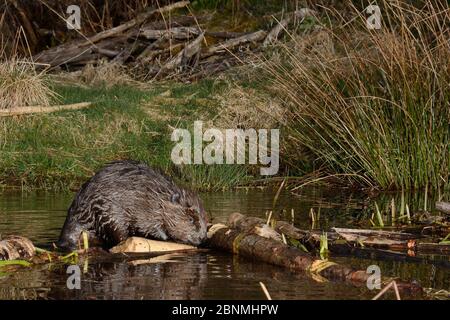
{"x": 253, "y": 246}
{"x": 42, "y": 109}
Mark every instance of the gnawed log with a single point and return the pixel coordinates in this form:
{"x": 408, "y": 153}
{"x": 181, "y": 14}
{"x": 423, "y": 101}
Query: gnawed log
{"x": 143, "y": 245}
{"x": 245, "y": 223}
{"x": 273, "y": 35}
{"x": 443, "y": 207}
{"x": 42, "y": 109}
{"x": 250, "y": 245}
{"x": 15, "y": 248}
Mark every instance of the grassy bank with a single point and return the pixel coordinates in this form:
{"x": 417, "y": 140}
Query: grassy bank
{"x": 367, "y": 107}
{"x": 60, "y": 150}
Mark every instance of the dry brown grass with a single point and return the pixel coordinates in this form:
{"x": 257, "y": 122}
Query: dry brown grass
{"x": 104, "y": 74}
{"x": 21, "y": 85}
{"x": 246, "y": 107}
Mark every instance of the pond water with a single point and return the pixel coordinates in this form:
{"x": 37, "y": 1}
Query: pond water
{"x": 206, "y": 274}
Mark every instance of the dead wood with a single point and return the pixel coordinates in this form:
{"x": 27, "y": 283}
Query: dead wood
{"x": 136, "y": 21}
{"x": 225, "y": 34}
{"x": 190, "y": 51}
{"x": 443, "y": 207}
{"x": 42, "y": 109}
{"x": 179, "y": 33}
{"x": 282, "y": 25}
{"x": 165, "y": 48}
{"x": 376, "y": 239}
{"x": 232, "y": 43}
{"x": 253, "y": 246}
{"x": 16, "y": 247}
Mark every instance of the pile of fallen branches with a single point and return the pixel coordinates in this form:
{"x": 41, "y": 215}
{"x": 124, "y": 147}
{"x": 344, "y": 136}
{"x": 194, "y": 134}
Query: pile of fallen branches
{"x": 31, "y": 26}
{"x": 155, "y": 47}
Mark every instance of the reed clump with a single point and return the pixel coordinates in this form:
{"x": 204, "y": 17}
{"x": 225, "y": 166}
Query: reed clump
{"x": 21, "y": 85}
{"x": 371, "y": 105}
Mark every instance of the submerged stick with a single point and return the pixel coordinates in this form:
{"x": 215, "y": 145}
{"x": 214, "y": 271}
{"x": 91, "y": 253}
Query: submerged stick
{"x": 383, "y": 291}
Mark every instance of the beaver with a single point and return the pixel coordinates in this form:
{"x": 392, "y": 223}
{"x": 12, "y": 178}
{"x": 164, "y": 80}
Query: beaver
{"x": 128, "y": 198}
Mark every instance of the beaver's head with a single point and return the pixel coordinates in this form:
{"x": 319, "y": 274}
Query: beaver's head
{"x": 185, "y": 218}
{"x": 71, "y": 237}
{"x": 70, "y": 233}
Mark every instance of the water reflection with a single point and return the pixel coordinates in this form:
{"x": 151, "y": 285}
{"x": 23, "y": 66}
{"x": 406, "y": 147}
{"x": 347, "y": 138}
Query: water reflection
{"x": 204, "y": 275}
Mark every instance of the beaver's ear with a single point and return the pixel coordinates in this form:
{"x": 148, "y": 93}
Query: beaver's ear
{"x": 175, "y": 198}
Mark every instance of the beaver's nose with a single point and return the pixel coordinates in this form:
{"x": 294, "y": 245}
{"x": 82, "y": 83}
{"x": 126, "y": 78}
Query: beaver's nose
{"x": 195, "y": 240}
{"x": 64, "y": 245}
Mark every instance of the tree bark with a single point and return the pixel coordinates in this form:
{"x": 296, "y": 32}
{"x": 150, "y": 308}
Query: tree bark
{"x": 271, "y": 251}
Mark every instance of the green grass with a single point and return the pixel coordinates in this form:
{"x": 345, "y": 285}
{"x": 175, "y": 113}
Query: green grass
{"x": 58, "y": 151}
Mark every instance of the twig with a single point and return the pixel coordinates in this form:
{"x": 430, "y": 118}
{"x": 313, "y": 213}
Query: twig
{"x": 266, "y": 292}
